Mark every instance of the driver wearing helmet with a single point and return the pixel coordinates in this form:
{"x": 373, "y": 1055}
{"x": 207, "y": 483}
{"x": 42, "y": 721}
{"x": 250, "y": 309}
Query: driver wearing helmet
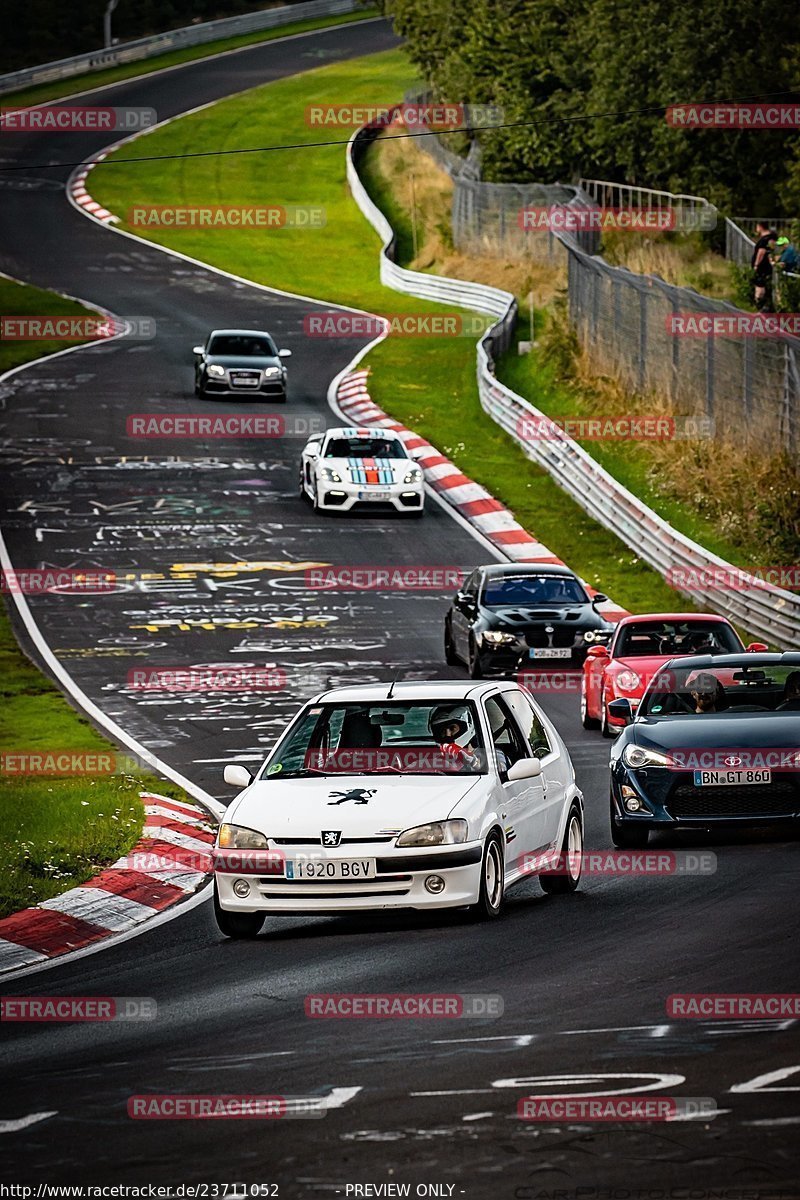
{"x": 447, "y": 723}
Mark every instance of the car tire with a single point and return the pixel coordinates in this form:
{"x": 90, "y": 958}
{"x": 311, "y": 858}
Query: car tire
{"x": 492, "y": 886}
{"x": 199, "y": 391}
{"x": 237, "y": 925}
{"x": 625, "y": 838}
{"x": 450, "y": 656}
{"x": 586, "y": 721}
{"x": 607, "y": 730}
{"x": 474, "y": 664}
{"x": 562, "y": 884}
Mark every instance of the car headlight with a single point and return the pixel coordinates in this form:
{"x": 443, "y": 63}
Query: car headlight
{"x": 236, "y": 837}
{"x": 331, "y": 475}
{"x": 638, "y": 756}
{"x": 627, "y": 681}
{"x": 413, "y": 476}
{"x": 437, "y": 833}
{"x": 214, "y": 369}
{"x": 596, "y": 635}
{"x": 495, "y": 638}
{"x": 271, "y": 372}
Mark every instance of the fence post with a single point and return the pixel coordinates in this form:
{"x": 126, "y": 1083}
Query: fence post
{"x": 642, "y": 337}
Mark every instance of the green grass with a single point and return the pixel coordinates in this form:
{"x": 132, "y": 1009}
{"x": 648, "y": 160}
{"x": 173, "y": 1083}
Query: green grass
{"x": 94, "y": 79}
{"x": 21, "y": 300}
{"x": 54, "y": 832}
{"x": 628, "y": 461}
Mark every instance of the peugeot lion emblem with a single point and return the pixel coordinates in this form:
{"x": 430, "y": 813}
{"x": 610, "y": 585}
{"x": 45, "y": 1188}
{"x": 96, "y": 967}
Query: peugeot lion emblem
{"x": 331, "y": 837}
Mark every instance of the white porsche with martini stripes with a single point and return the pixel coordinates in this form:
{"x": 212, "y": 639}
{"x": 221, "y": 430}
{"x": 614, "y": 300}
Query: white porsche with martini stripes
{"x": 348, "y": 467}
{"x": 404, "y": 795}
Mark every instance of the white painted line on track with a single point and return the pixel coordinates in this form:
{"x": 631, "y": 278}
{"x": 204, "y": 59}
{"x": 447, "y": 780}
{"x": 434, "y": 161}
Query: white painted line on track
{"x": 15, "y": 1126}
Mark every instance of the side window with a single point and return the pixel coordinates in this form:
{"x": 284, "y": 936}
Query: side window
{"x": 506, "y": 739}
{"x": 529, "y": 723}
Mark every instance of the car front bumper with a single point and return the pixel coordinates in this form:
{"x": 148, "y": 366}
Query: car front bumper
{"x": 670, "y": 800}
{"x": 397, "y": 497}
{"x": 399, "y": 883}
{"x": 223, "y": 387}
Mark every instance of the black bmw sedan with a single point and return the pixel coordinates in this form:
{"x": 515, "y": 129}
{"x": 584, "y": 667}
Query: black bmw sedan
{"x": 715, "y": 742}
{"x": 506, "y": 617}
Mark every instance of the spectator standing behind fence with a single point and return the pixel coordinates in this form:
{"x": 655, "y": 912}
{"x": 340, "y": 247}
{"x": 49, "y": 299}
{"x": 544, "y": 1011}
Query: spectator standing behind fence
{"x": 784, "y": 256}
{"x": 762, "y": 266}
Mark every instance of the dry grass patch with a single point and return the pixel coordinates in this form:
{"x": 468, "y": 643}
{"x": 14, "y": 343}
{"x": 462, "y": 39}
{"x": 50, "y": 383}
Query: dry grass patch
{"x": 420, "y": 186}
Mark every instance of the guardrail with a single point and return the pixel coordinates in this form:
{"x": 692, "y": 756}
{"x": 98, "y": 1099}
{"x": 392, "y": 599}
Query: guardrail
{"x": 763, "y": 609}
{"x": 608, "y": 194}
{"x": 175, "y": 39}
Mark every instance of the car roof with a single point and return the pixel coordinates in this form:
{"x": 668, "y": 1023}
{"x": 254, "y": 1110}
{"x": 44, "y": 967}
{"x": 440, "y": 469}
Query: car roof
{"x": 241, "y": 332}
{"x": 495, "y": 569}
{"x": 691, "y": 616}
{"x": 361, "y": 431}
{"x": 788, "y": 658}
{"x": 434, "y": 690}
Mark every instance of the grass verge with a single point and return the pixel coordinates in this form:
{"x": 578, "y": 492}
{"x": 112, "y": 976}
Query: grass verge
{"x": 54, "y": 832}
{"x": 61, "y": 88}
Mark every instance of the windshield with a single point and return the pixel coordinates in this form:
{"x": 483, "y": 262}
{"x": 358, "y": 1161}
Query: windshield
{"x": 236, "y": 345}
{"x": 528, "y": 590}
{"x": 671, "y": 638}
{"x": 741, "y": 687}
{"x": 366, "y": 447}
{"x": 387, "y": 737}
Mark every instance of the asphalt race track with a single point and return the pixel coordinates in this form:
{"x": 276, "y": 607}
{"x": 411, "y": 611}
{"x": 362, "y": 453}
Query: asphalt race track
{"x": 584, "y": 979}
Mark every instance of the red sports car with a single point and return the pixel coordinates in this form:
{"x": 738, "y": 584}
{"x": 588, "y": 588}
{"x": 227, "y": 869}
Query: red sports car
{"x": 640, "y": 647}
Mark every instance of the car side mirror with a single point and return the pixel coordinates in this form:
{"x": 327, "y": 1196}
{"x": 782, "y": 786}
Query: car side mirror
{"x": 622, "y": 709}
{"x": 284, "y": 354}
{"x": 524, "y": 768}
{"x": 197, "y": 350}
{"x": 597, "y": 652}
{"x": 417, "y": 453}
{"x": 757, "y": 648}
{"x": 600, "y": 598}
{"x": 237, "y": 776}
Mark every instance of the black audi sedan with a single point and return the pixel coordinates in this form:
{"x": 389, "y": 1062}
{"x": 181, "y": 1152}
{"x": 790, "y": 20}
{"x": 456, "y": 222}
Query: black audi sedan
{"x": 715, "y": 742}
{"x": 241, "y": 362}
{"x": 506, "y": 617}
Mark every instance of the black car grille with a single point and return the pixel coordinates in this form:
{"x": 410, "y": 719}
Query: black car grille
{"x": 537, "y": 638}
{"x": 778, "y": 799}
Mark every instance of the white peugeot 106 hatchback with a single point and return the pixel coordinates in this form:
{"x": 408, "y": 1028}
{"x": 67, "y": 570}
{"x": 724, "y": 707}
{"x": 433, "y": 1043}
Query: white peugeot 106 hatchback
{"x": 417, "y": 795}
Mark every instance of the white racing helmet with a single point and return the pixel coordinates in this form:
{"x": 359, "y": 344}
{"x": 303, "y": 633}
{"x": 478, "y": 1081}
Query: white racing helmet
{"x": 452, "y": 714}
